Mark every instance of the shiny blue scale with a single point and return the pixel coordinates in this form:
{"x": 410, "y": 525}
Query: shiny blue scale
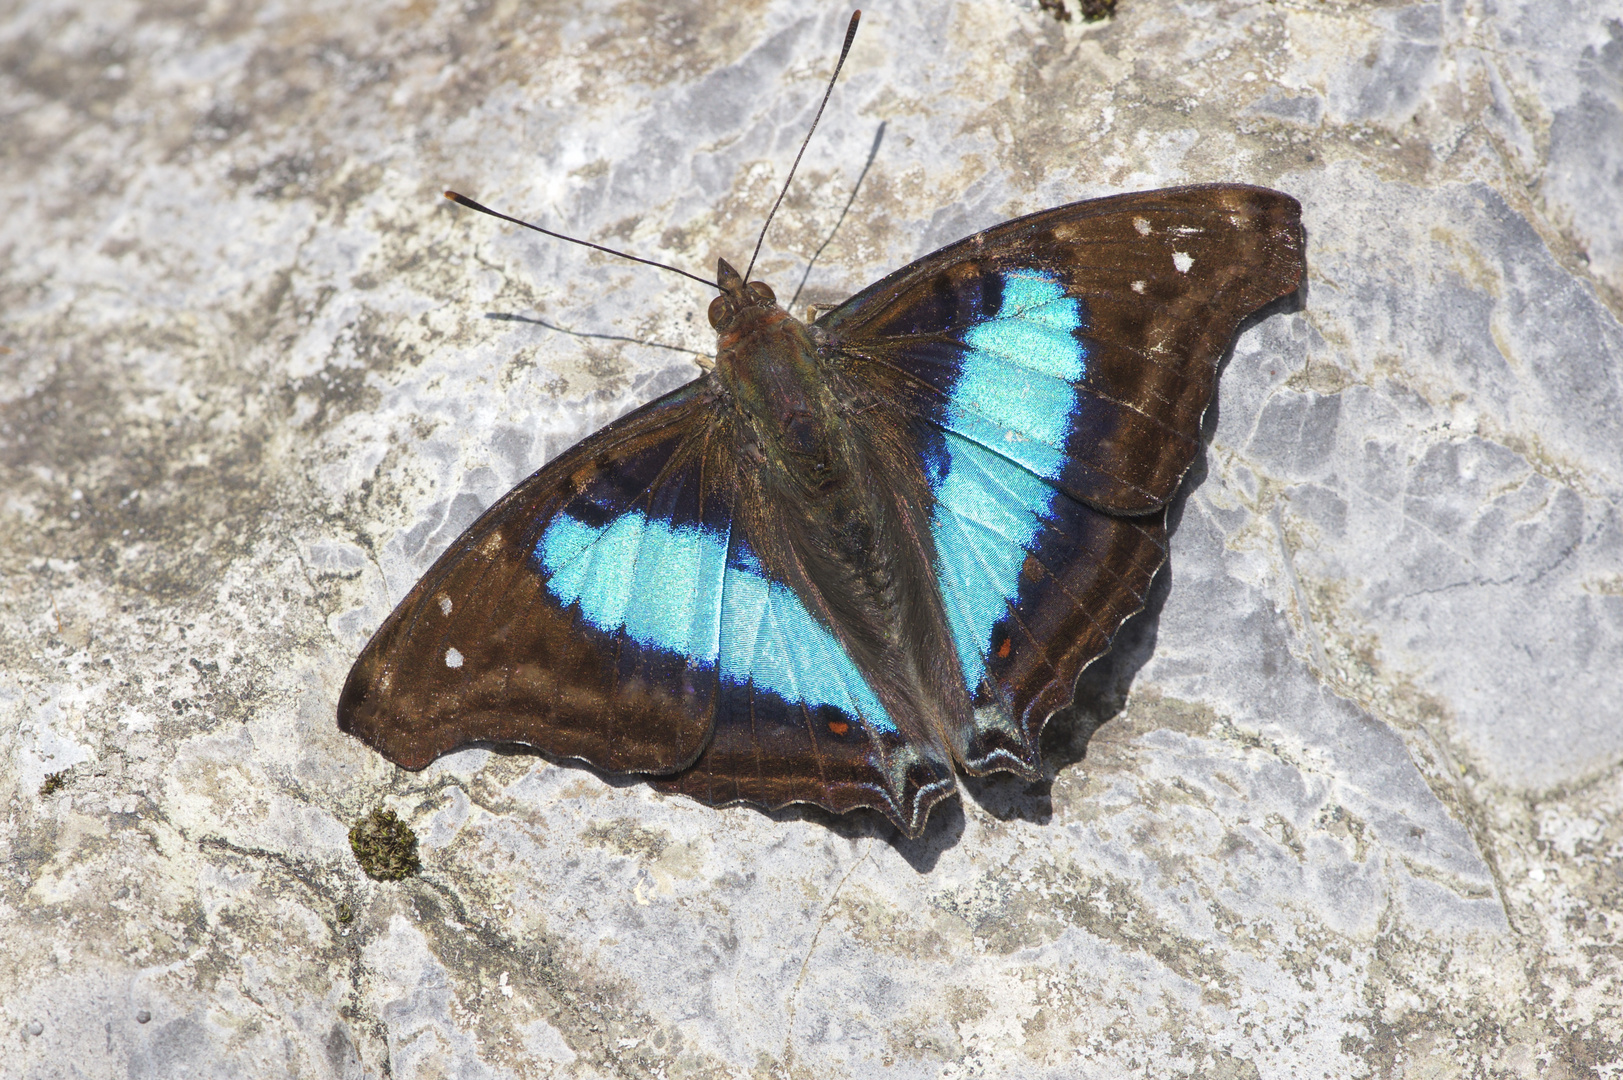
{"x": 672, "y": 588}
{"x": 1015, "y": 381}
{"x": 1013, "y": 393}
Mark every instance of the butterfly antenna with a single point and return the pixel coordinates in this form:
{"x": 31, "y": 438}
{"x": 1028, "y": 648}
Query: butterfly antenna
{"x": 850, "y": 35}
{"x": 463, "y": 200}
{"x": 805, "y": 276}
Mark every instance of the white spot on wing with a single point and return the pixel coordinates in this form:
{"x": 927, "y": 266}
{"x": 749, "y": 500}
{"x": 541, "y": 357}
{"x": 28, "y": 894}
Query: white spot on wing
{"x": 445, "y": 604}
{"x": 1182, "y": 262}
{"x": 1138, "y": 286}
{"x": 1142, "y": 225}
{"x": 453, "y": 659}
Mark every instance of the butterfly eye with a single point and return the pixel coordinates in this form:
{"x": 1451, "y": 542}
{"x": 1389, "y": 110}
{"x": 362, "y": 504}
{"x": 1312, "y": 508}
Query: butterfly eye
{"x": 721, "y": 309}
{"x": 761, "y": 292}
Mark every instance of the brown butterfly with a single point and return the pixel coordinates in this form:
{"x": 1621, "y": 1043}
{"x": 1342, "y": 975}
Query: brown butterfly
{"x": 857, "y": 555}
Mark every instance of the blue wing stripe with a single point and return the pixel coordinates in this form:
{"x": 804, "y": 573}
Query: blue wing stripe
{"x": 993, "y": 491}
{"x": 982, "y": 531}
{"x": 1039, "y": 296}
{"x": 967, "y": 584}
{"x": 664, "y": 584}
{"x": 678, "y": 588}
{"x": 1034, "y": 324}
{"x": 673, "y": 574}
{"x": 744, "y": 618}
{"x": 791, "y": 653}
{"x": 1044, "y": 504}
{"x": 999, "y": 516}
{"x": 1013, "y": 390}
{"x": 1003, "y": 391}
{"x": 1038, "y": 457}
{"x": 705, "y": 638}
{"x": 595, "y": 574}
{"x": 1045, "y": 347}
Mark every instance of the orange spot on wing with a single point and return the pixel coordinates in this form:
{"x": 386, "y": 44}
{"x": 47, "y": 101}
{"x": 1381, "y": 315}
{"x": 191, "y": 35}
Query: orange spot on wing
{"x": 838, "y": 727}
{"x": 1003, "y": 649}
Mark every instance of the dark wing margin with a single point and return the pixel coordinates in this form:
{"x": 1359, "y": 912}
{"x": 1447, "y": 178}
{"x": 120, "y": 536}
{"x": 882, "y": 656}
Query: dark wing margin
{"x": 481, "y": 650}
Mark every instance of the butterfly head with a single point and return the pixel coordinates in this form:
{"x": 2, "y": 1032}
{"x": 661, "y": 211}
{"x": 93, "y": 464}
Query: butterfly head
{"x": 740, "y": 304}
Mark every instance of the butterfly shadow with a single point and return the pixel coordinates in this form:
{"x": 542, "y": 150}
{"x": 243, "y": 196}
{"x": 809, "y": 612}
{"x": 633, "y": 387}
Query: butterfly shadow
{"x": 942, "y": 832}
{"x": 1101, "y": 695}
{"x": 945, "y": 828}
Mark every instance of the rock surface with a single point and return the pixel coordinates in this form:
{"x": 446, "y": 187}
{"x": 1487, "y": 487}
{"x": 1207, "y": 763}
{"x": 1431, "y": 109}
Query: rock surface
{"x": 1344, "y": 802}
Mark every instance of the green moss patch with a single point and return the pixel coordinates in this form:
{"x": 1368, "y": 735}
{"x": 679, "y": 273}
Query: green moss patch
{"x": 385, "y": 846}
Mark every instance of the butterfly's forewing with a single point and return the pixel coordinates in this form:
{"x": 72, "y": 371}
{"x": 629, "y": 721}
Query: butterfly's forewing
{"x": 1058, "y": 367}
{"x": 1083, "y": 341}
{"x": 579, "y": 615}
{"x": 612, "y": 608}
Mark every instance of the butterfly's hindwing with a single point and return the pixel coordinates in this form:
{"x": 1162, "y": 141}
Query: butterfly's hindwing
{"x": 797, "y": 721}
{"x": 1036, "y": 584}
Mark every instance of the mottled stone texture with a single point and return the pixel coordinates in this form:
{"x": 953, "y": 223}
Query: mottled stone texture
{"x": 1344, "y": 803}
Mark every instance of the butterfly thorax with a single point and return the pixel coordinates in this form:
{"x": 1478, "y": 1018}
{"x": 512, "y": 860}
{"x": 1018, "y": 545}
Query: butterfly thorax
{"x": 788, "y": 419}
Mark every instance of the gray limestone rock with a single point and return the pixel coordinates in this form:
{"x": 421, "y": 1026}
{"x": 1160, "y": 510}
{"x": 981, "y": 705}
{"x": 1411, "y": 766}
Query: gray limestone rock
{"x": 1345, "y": 800}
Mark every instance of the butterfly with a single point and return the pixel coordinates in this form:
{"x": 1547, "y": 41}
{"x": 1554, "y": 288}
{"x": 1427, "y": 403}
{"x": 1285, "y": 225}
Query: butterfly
{"x": 856, "y": 556}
